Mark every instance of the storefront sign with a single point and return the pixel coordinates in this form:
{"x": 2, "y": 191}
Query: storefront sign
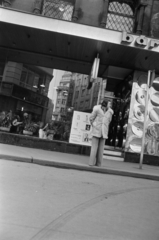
{"x": 140, "y": 41}
{"x": 80, "y": 129}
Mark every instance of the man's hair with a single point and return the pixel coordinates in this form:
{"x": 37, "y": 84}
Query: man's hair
{"x": 104, "y": 103}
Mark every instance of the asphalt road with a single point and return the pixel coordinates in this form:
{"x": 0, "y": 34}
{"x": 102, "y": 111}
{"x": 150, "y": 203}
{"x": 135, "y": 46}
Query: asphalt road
{"x": 39, "y": 202}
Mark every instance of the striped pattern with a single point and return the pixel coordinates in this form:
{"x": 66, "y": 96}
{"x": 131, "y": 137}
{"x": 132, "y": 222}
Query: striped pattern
{"x": 111, "y": 153}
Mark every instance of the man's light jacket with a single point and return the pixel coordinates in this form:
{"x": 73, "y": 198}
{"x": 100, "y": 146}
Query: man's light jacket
{"x": 100, "y": 121}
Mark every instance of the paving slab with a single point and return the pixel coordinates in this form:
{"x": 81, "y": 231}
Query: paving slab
{"x": 15, "y": 153}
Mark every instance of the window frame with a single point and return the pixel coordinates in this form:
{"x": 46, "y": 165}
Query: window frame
{"x": 130, "y": 4}
{"x": 57, "y": 5}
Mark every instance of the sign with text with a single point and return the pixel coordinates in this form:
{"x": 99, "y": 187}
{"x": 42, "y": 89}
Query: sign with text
{"x": 81, "y": 129}
{"x": 140, "y": 41}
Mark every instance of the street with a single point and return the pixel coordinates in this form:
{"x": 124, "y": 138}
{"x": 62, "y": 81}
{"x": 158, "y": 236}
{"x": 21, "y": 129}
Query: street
{"x": 41, "y": 202}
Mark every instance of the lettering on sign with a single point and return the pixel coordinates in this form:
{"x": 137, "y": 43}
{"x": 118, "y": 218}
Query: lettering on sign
{"x": 153, "y": 43}
{"x": 140, "y": 41}
{"x": 127, "y": 38}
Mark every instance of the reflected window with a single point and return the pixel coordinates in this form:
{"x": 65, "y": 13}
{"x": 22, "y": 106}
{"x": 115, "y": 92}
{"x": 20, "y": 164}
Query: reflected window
{"x": 83, "y": 92}
{"x": 29, "y": 79}
{"x": 58, "y": 9}
{"x": 62, "y": 110}
{"x": 120, "y": 17}
{"x": 63, "y": 101}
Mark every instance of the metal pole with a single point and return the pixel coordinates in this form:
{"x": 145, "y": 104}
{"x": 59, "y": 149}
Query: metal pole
{"x": 100, "y": 92}
{"x": 145, "y": 118}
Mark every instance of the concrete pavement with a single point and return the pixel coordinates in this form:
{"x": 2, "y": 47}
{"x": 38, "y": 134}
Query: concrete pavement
{"x": 79, "y": 162}
{"x": 44, "y": 203}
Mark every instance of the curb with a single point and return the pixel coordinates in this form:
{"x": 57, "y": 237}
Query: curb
{"x": 95, "y": 169}
{"x": 16, "y": 158}
{"x": 80, "y": 167}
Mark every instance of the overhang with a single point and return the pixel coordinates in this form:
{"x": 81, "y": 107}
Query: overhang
{"x": 115, "y": 75}
{"x": 69, "y": 46}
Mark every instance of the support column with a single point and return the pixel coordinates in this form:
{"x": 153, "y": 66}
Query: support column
{"x": 155, "y": 26}
{"x": 76, "y": 12}
{"x": 37, "y": 6}
{"x": 105, "y": 14}
{"x": 141, "y": 17}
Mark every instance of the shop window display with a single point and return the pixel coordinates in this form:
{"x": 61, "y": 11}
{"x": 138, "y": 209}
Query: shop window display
{"x": 5, "y": 120}
{"x": 136, "y": 117}
{"x": 30, "y": 126}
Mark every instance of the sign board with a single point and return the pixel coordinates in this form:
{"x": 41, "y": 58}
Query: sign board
{"x": 81, "y": 129}
{"x": 140, "y": 41}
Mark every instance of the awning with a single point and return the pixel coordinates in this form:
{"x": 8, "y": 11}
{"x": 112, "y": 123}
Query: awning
{"x": 69, "y": 46}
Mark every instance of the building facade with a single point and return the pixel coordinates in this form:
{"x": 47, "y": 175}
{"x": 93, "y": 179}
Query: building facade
{"x": 69, "y": 35}
{"x": 84, "y": 99}
{"x": 52, "y": 94}
{"x": 73, "y": 94}
{"x": 60, "y": 112}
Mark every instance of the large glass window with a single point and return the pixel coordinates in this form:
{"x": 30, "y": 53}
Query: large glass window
{"x": 59, "y": 9}
{"x": 120, "y": 17}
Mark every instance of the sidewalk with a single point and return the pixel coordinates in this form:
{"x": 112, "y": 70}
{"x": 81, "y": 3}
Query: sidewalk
{"x": 79, "y": 162}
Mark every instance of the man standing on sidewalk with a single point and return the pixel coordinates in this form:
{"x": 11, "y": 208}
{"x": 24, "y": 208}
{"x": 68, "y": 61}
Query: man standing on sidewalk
{"x": 100, "y": 120}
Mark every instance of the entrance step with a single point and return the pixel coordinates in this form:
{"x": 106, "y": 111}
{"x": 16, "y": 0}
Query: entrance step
{"x": 111, "y": 153}
{"x": 112, "y": 148}
{"x": 107, "y": 157}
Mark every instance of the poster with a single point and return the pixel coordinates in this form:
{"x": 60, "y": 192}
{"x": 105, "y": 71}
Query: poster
{"x": 81, "y": 129}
